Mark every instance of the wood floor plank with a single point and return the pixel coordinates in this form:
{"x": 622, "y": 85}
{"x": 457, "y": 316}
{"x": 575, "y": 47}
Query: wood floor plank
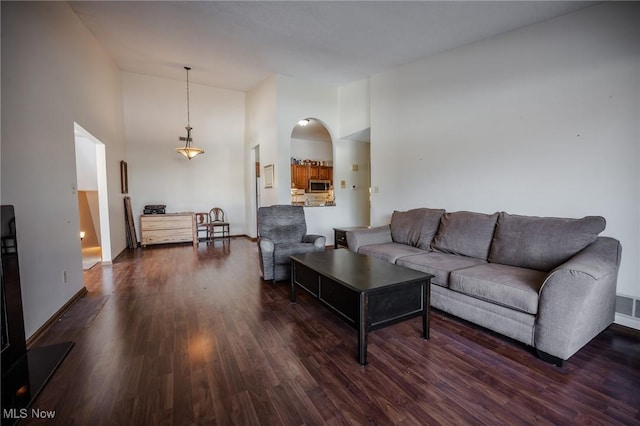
{"x": 176, "y": 335}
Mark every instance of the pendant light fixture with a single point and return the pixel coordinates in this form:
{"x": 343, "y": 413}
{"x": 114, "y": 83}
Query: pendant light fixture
{"x": 188, "y": 150}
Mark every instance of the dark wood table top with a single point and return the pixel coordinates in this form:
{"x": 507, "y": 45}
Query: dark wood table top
{"x": 358, "y": 272}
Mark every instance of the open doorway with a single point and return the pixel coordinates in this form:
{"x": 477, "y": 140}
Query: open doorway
{"x": 93, "y": 210}
{"x": 355, "y": 151}
{"x": 255, "y": 159}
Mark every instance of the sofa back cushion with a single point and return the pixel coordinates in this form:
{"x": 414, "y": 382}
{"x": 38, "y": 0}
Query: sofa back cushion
{"x": 541, "y": 243}
{"x": 415, "y": 227}
{"x": 465, "y": 233}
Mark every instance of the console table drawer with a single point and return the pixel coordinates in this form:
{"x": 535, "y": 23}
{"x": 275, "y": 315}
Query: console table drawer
{"x": 164, "y": 236}
{"x": 168, "y": 228}
{"x": 166, "y": 222}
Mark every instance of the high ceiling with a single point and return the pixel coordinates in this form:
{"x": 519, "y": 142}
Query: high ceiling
{"x": 237, "y": 44}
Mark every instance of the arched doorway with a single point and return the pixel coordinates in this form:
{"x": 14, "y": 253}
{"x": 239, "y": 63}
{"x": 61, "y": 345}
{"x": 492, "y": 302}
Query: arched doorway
{"x": 311, "y": 164}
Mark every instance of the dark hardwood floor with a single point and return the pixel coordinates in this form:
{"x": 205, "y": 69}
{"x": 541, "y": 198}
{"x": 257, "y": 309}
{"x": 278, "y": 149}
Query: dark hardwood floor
{"x": 180, "y": 336}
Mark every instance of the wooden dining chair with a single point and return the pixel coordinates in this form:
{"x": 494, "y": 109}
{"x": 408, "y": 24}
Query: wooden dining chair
{"x": 217, "y": 219}
{"x": 203, "y": 225}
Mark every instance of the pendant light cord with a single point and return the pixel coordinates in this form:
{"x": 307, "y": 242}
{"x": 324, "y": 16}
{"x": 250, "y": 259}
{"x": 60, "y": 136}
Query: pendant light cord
{"x": 188, "y": 150}
{"x": 188, "y": 117}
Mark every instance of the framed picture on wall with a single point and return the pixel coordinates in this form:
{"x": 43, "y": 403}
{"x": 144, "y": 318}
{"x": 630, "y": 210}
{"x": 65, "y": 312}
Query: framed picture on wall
{"x": 124, "y": 178}
{"x": 268, "y": 176}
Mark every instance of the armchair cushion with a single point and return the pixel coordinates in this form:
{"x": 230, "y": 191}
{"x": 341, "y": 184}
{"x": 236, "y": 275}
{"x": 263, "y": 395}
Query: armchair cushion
{"x": 282, "y": 251}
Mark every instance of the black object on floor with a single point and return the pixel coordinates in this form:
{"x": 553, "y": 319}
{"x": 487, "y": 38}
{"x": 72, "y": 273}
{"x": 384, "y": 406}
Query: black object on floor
{"x": 24, "y": 380}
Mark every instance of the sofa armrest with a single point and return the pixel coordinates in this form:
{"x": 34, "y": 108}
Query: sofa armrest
{"x": 577, "y": 299}
{"x": 365, "y": 237}
{"x": 318, "y": 240}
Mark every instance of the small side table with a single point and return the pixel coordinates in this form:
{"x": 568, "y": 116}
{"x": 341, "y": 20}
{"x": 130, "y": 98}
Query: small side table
{"x": 340, "y": 235}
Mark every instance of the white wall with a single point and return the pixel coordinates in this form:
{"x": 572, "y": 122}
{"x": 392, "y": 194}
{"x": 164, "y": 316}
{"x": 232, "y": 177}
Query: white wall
{"x": 54, "y": 73}
{"x": 283, "y": 101}
{"x": 311, "y": 149}
{"x": 354, "y": 112}
{"x": 261, "y": 132}
{"x": 287, "y": 100}
{"x": 86, "y": 164}
{"x": 540, "y": 121}
{"x": 155, "y": 117}
{"x": 354, "y": 100}
{"x": 297, "y": 99}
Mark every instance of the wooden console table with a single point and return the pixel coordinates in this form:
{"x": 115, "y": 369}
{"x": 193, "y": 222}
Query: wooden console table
{"x": 168, "y": 228}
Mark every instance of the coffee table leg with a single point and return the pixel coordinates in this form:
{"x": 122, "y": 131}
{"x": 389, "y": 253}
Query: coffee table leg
{"x": 292, "y": 292}
{"x": 425, "y": 310}
{"x": 362, "y": 329}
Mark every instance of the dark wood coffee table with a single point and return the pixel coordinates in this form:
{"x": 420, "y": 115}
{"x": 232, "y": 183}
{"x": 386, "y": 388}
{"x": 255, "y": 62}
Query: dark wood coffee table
{"x": 367, "y": 293}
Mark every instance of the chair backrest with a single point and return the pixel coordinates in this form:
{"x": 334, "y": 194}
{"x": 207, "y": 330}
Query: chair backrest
{"x": 216, "y": 214}
{"x": 202, "y": 218}
{"x": 282, "y": 223}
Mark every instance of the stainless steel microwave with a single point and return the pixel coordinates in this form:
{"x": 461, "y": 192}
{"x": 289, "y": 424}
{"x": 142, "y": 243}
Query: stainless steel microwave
{"x": 316, "y": 185}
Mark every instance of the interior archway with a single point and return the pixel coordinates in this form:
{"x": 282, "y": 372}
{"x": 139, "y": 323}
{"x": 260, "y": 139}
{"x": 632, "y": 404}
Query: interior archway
{"x": 312, "y": 164}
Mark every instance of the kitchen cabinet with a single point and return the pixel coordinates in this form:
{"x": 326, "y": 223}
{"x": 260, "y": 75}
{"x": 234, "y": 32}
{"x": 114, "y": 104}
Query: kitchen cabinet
{"x": 326, "y": 173}
{"x": 168, "y": 228}
{"x": 301, "y": 173}
{"x": 314, "y": 172}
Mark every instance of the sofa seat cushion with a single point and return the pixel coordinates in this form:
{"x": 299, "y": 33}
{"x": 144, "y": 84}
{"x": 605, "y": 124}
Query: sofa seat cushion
{"x": 506, "y": 285}
{"x": 281, "y": 252}
{"x": 389, "y": 251}
{"x": 415, "y": 227}
{"x": 541, "y": 243}
{"x": 465, "y": 233}
{"x": 438, "y": 264}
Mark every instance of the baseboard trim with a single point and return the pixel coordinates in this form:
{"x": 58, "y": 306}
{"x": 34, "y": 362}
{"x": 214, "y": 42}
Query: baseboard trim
{"x": 627, "y": 321}
{"x": 232, "y": 237}
{"x": 122, "y": 253}
{"x": 31, "y": 341}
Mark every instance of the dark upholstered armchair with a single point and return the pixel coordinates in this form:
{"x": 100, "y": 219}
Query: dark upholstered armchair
{"x": 282, "y": 231}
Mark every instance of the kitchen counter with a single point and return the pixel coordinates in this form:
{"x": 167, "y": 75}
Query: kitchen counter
{"x": 312, "y": 199}
{"x": 314, "y": 204}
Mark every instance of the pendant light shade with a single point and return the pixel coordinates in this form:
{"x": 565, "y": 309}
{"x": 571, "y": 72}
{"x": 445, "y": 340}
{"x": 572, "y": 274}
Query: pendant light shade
{"x": 188, "y": 150}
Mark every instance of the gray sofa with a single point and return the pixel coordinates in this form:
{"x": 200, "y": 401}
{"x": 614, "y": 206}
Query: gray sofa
{"x": 547, "y": 282}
